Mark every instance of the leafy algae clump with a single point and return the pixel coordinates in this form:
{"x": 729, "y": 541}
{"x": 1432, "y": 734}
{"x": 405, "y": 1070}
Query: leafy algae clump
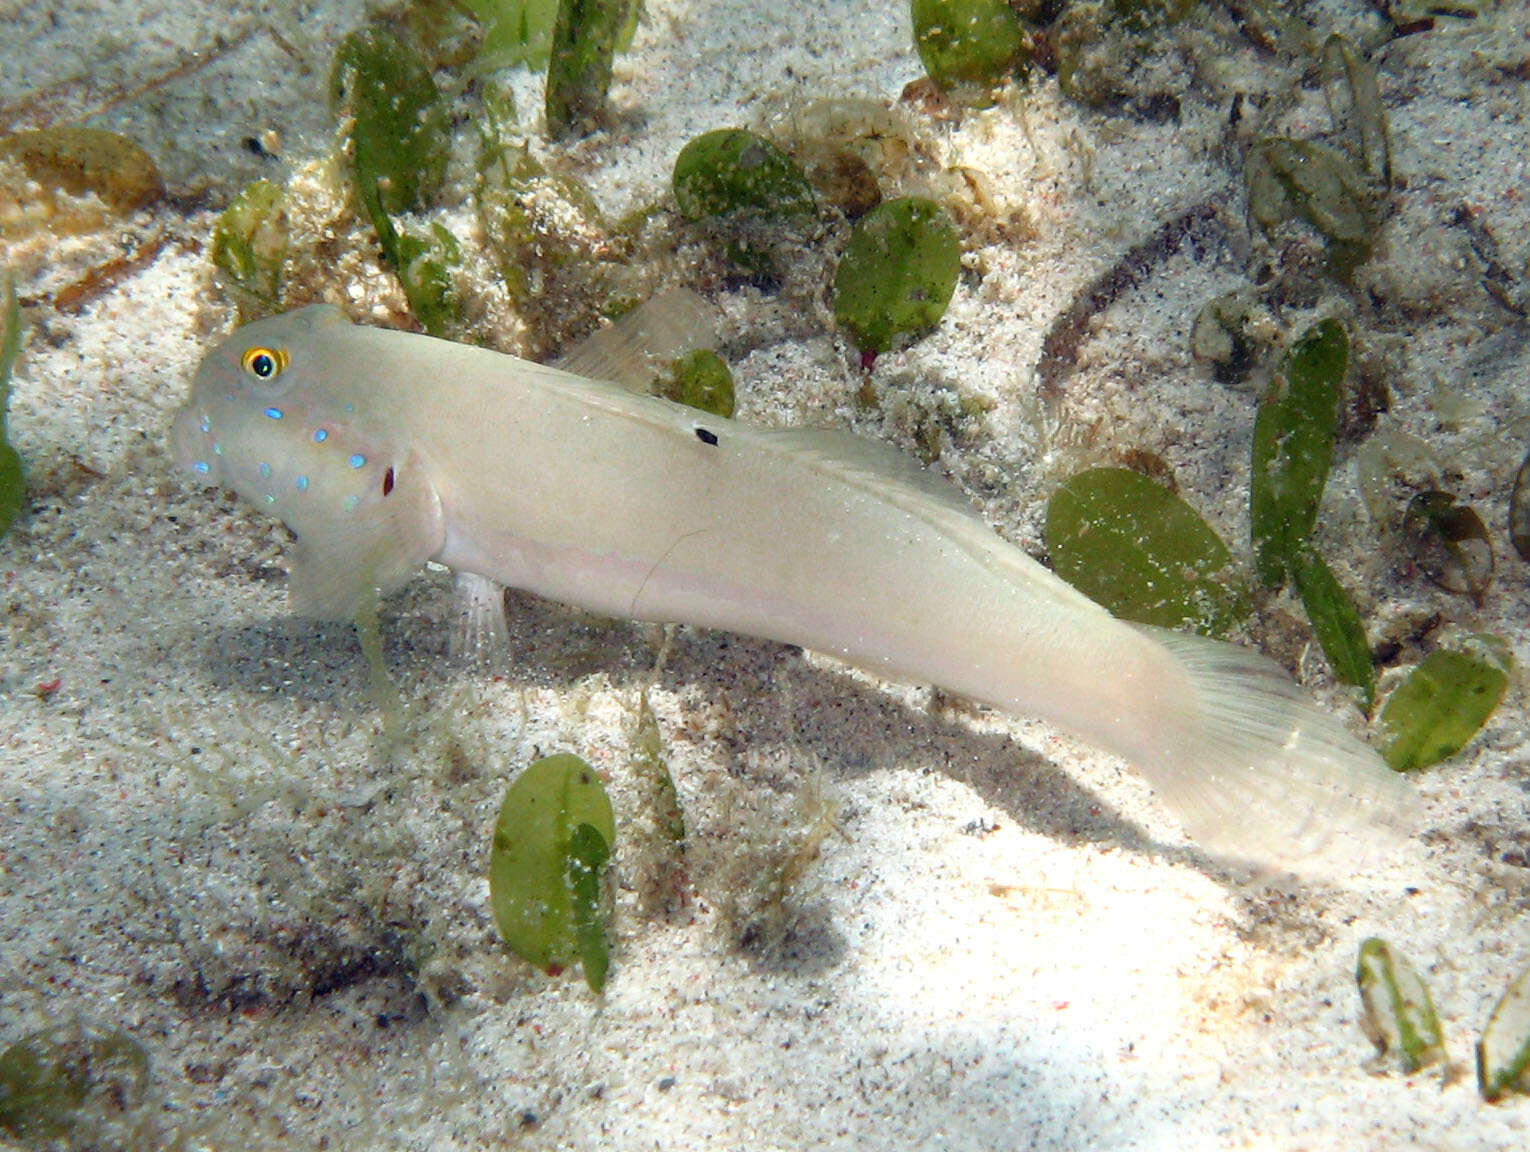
{"x": 898, "y": 273}
{"x": 550, "y": 848}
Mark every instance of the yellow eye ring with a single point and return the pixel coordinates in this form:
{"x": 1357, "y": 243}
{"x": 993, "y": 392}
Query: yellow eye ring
{"x": 264, "y": 363}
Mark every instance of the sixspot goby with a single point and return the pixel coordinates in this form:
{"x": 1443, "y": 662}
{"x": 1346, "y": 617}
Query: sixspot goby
{"x": 382, "y": 450}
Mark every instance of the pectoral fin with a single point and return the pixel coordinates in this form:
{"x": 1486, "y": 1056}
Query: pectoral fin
{"x": 374, "y": 548}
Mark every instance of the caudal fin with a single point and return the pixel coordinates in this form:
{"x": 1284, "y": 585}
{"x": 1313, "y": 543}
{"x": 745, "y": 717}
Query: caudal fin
{"x": 1265, "y": 775}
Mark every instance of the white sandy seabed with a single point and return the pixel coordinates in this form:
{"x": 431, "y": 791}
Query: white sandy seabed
{"x": 1002, "y": 942}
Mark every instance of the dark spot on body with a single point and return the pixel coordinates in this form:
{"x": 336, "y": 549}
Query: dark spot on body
{"x": 388, "y": 481}
{"x": 706, "y": 436}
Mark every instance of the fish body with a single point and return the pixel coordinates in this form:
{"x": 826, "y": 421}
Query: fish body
{"x": 382, "y": 450}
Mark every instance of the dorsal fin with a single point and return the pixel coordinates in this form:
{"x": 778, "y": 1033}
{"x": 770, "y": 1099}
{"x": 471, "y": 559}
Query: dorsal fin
{"x": 636, "y": 348}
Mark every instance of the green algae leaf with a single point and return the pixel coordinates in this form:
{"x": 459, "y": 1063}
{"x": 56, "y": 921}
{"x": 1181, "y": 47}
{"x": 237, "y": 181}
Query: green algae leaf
{"x": 1354, "y": 105}
{"x": 970, "y": 42}
{"x": 700, "y": 379}
{"x": 1449, "y": 543}
{"x": 1320, "y": 185}
{"x": 1437, "y": 710}
{"x": 1130, "y": 544}
{"x": 425, "y": 262}
{"x": 1336, "y": 623}
{"x": 1399, "y": 1015}
{"x": 733, "y": 171}
{"x": 12, "y": 483}
{"x": 1293, "y": 448}
{"x": 551, "y": 843}
{"x": 249, "y": 247}
{"x": 1503, "y": 1053}
{"x": 898, "y": 273}
{"x": 515, "y": 31}
{"x": 398, "y": 122}
{"x": 584, "y": 43}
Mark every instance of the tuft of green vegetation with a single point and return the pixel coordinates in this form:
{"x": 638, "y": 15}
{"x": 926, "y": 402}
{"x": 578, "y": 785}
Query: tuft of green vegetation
{"x": 1449, "y": 543}
{"x": 1293, "y": 448}
{"x": 52, "y": 1080}
{"x": 971, "y": 43}
{"x": 12, "y": 482}
{"x": 1335, "y": 622}
{"x": 398, "y": 127}
{"x": 1503, "y": 1053}
{"x": 701, "y": 379}
{"x": 549, "y": 853}
{"x": 1442, "y": 704}
{"x": 1130, "y": 544}
{"x": 249, "y": 247}
{"x": 1294, "y": 435}
{"x": 584, "y": 42}
{"x": 732, "y": 171}
{"x": 1398, "y": 1013}
{"x": 898, "y": 273}
{"x": 515, "y": 31}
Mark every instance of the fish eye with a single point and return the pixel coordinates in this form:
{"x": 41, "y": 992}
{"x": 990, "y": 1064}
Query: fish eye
{"x": 264, "y": 363}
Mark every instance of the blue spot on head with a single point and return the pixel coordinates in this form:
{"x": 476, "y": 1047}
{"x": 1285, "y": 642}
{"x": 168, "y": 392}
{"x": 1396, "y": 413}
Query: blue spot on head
{"x": 206, "y": 424}
{"x": 201, "y": 466}
{"x": 350, "y": 408}
{"x": 302, "y": 483}
{"x": 357, "y": 460}
{"x": 217, "y": 448}
{"x": 320, "y": 435}
{"x": 265, "y": 470}
{"x": 274, "y": 412}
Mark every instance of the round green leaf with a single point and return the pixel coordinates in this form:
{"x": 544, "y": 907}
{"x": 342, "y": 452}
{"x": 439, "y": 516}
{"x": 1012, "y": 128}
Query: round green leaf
{"x": 1131, "y": 545}
{"x": 898, "y": 273}
{"x": 732, "y": 170}
{"x": 1439, "y": 708}
{"x": 554, "y": 834}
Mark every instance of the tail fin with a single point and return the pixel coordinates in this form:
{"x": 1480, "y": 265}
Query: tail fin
{"x": 1265, "y": 775}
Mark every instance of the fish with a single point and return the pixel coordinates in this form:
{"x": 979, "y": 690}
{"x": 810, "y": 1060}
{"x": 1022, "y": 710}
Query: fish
{"x": 383, "y": 450}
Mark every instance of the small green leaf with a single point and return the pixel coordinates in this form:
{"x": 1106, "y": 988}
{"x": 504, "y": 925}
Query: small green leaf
{"x": 425, "y": 263}
{"x": 1437, "y": 710}
{"x": 1131, "y": 545}
{"x": 1354, "y": 104}
{"x": 898, "y": 274}
{"x": 1450, "y": 543}
{"x": 250, "y": 246}
{"x": 1319, "y": 184}
{"x": 399, "y": 126}
{"x": 1293, "y": 448}
{"x": 515, "y": 31}
{"x": 970, "y": 42}
{"x": 1336, "y": 623}
{"x": 60, "y": 1077}
{"x": 12, "y": 482}
{"x": 702, "y": 380}
{"x": 732, "y": 171}
{"x": 1399, "y": 1015}
{"x": 579, "y": 69}
{"x": 1503, "y": 1054}
{"x": 550, "y": 846}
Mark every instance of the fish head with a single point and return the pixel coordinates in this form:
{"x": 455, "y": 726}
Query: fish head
{"x": 281, "y": 414}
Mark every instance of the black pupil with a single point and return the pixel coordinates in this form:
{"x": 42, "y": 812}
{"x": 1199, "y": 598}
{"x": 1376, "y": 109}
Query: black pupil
{"x": 263, "y": 365}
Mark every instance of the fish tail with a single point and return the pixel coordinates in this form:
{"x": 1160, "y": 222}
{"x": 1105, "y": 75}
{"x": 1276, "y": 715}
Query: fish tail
{"x": 1261, "y": 773}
